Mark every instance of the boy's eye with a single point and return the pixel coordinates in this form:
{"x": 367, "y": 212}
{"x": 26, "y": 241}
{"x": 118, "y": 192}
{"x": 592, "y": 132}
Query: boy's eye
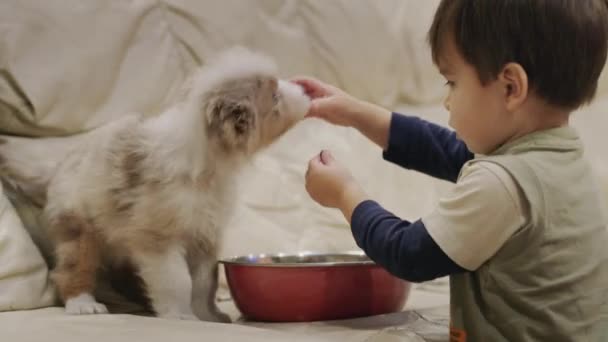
{"x": 275, "y": 98}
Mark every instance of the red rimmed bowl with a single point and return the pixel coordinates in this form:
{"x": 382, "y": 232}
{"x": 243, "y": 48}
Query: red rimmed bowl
{"x": 312, "y": 287}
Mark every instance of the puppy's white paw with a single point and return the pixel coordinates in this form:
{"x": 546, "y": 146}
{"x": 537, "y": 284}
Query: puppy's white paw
{"x": 179, "y": 316}
{"x": 84, "y": 304}
{"x": 213, "y": 315}
{"x": 221, "y": 317}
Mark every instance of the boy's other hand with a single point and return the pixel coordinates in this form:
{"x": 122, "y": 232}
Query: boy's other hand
{"x": 329, "y": 103}
{"x": 332, "y": 185}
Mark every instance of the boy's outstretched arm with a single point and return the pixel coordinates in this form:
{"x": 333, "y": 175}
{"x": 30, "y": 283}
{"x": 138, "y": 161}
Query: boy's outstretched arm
{"x": 420, "y": 145}
{"x": 407, "y": 141}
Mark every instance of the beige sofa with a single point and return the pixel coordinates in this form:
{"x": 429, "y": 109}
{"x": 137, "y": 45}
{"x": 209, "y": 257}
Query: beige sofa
{"x": 72, "y": 65}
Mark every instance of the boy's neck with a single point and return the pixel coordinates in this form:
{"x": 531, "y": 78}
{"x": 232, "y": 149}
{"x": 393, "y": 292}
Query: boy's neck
{"x": 537, "y": 115}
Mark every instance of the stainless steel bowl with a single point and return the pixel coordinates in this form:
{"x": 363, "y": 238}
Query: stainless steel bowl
{"x": 312, "y": 286}
{"x": 303, "y": 259}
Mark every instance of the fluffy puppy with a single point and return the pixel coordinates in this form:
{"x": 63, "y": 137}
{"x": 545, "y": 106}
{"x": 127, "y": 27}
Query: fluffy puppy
{"x": 154, "y": 194}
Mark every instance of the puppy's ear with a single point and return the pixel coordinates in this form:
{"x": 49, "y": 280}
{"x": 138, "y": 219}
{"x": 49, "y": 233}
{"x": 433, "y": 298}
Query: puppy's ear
{"x": 233, "y": 122}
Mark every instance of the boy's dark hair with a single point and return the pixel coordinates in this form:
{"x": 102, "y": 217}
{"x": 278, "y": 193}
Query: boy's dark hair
{"x": 562, "y": 44}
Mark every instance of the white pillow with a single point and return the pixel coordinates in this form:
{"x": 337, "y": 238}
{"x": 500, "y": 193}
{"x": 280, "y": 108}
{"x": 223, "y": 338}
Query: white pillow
{"x": 24, "y": 280}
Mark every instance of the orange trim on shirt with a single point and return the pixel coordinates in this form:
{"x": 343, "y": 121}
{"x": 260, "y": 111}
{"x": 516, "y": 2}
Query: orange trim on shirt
{"x": 457, "y": 335}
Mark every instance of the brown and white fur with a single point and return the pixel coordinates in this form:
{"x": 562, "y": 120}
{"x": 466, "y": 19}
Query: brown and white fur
{"x": 155, "y": 193}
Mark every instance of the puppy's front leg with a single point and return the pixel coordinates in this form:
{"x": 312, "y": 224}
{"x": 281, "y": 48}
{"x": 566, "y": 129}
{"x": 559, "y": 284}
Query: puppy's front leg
{"x": 204, "y": 278}
{"x": 168, "y": 282}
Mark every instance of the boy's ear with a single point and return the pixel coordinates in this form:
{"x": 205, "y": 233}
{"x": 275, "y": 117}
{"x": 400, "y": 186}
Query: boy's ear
{"x": 514, "y": 79}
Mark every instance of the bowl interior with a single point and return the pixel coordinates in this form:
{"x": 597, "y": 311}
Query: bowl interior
{"x": 301, "y": 259}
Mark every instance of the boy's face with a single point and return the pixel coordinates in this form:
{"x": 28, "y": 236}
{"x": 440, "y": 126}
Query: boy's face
{"x": 477, "y": 111}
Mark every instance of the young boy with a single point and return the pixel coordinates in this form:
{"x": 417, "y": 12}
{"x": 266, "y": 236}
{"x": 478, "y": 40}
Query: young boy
{"x": 521, "y": 234}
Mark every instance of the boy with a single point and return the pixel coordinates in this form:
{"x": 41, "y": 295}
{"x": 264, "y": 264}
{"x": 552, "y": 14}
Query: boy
{"x": 521, "y": 234}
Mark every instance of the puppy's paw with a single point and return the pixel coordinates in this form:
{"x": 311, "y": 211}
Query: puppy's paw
{"x": 213, "y": 316}
{"x": 84, "y": 304}
{"x": 221, "y": 317}
{"x": 179, "y": 316}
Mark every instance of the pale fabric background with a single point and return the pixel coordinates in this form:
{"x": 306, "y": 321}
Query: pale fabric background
{"x": 72, "y": 65}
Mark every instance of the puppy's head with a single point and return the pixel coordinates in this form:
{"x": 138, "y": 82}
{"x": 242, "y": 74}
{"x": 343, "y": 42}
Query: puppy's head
{"x": 245, "y": 105}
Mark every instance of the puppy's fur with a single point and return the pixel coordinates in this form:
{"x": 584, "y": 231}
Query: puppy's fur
{"x": 154, "y": 193}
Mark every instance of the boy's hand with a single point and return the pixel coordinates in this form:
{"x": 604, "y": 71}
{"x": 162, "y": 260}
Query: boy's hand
{"x": 330, "y": 103}
{"x": 339, "y": 108}
{"x": 332, "y": 185}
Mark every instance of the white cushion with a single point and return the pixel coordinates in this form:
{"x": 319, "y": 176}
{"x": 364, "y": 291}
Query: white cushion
{"x": 23, "y": 270}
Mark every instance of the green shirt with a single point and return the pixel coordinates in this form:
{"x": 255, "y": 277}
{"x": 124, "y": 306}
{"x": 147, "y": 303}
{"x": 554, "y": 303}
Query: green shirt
{"x": 548, "y": 281}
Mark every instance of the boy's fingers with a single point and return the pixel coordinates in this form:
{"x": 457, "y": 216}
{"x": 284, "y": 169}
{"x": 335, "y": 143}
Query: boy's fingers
{"x": 307, "y": 174}
{"x": 312, "y": 87}
{"x": 304, "y": 80}
{"x": 305, "y": 83}
{"x": 313, "y": 111}
{"x": 300, "y": 80}
{"x": 313, "y": 163}
{"x": 319, "y": 106}
{"x": 326, "y": 157}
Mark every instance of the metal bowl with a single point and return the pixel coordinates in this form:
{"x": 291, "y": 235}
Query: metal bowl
{"x": 312, "y": 287}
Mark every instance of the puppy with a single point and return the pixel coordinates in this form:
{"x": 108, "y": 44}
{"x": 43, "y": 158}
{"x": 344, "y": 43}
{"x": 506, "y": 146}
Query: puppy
{"x": 155, "y": 193}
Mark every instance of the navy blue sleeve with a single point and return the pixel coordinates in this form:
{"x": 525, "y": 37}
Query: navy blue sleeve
{"x": 425, "y": 147}
{"x": 405, "y": 249}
